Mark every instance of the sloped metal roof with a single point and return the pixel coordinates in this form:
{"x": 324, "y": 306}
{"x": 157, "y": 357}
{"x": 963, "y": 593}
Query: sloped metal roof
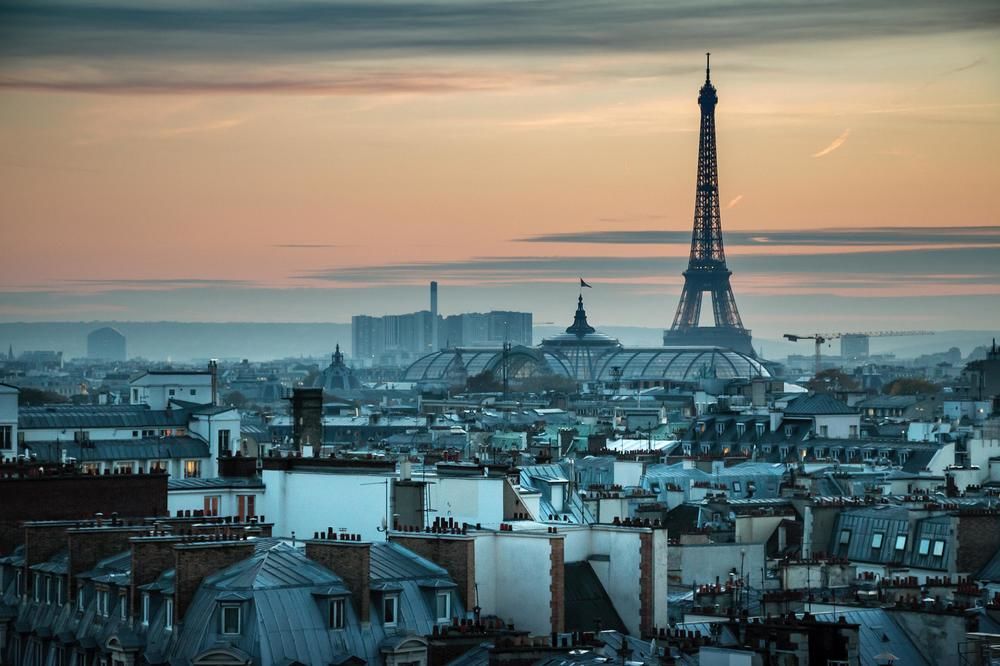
{"x": 121, "y": 449}
{"x": 75, "y": 417}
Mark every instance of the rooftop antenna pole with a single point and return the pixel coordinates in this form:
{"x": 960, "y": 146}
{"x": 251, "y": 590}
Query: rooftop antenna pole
{"x": 708, "y": 66}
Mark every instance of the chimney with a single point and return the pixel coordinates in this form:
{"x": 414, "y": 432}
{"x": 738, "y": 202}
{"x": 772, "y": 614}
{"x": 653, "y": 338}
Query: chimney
{"x": 434, "y": 316}
{"x": 193, "y": 562}
{"x": 151, "y": 556}
{"x": 89, "y": 545}
{"x": 213, "y": 367}
{"x": 42, "y": 540}
{"x": 307, "y": 418}
{"x": 351, "y": 560}
{"x": 455, "y": 553}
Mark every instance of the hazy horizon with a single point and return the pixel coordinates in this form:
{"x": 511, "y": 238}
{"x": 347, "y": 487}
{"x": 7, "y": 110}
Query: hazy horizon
{"x": 310, "y": 161}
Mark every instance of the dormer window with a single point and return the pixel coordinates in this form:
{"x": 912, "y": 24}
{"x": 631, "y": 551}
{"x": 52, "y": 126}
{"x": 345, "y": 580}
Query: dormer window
{"x": 741, "y": 429}
{"x": 230, "y": 620}
{"x": 788, "y": 431}
{"x": 80, "y": 599}
{"x": 336, "y": 614}
{"x": 168, "y": 622}
{"x": 38, "y": 588}
{"x": 443, "y": 606}
{"x": 103, "y": 602}
{"x": 877, "y": 540}
{"x": 123, "y": 606}
{"x": 760, "y": 429}
{"x": 145, "y": 609}
{"x": 720, "y": 428}
{"x": 390, "y": 610}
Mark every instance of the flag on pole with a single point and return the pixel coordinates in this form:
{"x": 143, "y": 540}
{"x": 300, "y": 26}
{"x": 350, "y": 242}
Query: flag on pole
{"x": 584, "y": 284}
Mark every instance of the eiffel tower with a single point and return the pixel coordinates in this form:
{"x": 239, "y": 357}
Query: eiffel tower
{"x": 707, "y": 270}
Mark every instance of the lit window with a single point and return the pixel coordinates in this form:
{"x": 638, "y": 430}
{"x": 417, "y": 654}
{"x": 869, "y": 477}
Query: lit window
{"x": 192, "y": 469}
{"x": 336, "y": 614}
{"x": 168, "y": 622}
{"x": 390, "y": 607}
{"x": 877, "y": 540}
{"x": 845, "y": 537}
{"x": 938, "y": 548}
{"x": 145, "y": 608}
{"x": 901, "y": 542}
{"x": 230, "y": 620}
{"x": 443, "y": 606}
{"x": 925, "y": 546}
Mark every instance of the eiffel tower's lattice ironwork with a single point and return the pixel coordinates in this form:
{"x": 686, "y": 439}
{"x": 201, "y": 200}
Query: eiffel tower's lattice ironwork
{"x": 707, "y": 270}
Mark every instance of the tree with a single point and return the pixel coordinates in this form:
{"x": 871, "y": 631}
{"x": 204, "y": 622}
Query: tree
{"x": 910, "y": 386}
{"x": 484, "y": 382}
{"x": 28, "y": 397}
{"x": 542, "y": 383}
{"x": 235, "y": 399}
{"x": 832, "y": 379}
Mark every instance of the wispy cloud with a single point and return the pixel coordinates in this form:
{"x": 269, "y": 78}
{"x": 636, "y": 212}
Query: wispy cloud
{"x": 140, "y": 47}
{"x": 835, "y": 144}
{"x": 735, "y": 201}
{"x": 839, "y": 239}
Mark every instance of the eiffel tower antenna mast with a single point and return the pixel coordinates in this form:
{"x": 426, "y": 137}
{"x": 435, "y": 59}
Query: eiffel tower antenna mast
{"x": 707, "y": 270}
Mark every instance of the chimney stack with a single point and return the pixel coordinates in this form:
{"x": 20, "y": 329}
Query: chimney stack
{"x": 351, "y": 560}
{"x": 193, "y": 562}
{"x": 213, "y": 367}
{"x": 307, "y": 418}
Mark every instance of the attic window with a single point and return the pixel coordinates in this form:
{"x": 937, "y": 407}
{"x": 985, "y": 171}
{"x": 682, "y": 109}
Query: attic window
{"x": 123, "y": 606}
{"x": 145, "y": 609}
{"x": 938, "y": 548}
{"x": 390, "y": 611}
{"x": 901, "y": 542}
{"x": 443, "y": 606}
{"x": 168, "y": 622}
{"x": 788, "y": 431}
{"x": 336, "y": 614}
{"x": 877, "y": 540}
{"x": 737, "y": 487}
{"x": 845, "y": 537}
{"x": 925, "y": 547}
{"x": 760, "y": 429}
{"x": 230, "y": 620}
{"x": 741, "y": 428}
{"x": 720, "y": 428}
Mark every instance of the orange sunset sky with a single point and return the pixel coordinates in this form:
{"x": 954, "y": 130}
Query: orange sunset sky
{"x": 306, "y": 161}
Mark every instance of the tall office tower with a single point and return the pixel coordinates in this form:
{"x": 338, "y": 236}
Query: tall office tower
{"x": 435, "y": 342}
{"x": 707, "y": 270}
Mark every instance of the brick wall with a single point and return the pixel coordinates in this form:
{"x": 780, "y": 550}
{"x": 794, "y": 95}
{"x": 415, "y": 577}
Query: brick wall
{"x": 978, "y": 540}
{"x": 456, "y": 554}
{"x": 557, "y": 570}
{"x": 75, "y": 498}
{"x": 193, "y": 562}
{"x": 151, "y": 556}
{"x": 89, "y": 545}
{"x": 351, "y": 560}
{"x": 646, "y": 593}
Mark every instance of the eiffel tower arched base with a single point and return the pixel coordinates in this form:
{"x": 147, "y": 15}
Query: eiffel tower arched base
{"x": 710, "y": 336}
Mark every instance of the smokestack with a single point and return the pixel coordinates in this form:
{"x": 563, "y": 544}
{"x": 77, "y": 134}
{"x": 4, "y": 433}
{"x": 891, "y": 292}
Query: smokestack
{"x": 434, "y": 316}
{"x": 213, "y": 367}
{"x": 307, "y": 418}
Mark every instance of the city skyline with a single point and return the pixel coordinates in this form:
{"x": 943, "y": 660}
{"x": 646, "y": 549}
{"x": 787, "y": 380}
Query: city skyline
{"x": 270, "y": 163}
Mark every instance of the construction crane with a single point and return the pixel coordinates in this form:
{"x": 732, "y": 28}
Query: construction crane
{"x": 821, "y": 338}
